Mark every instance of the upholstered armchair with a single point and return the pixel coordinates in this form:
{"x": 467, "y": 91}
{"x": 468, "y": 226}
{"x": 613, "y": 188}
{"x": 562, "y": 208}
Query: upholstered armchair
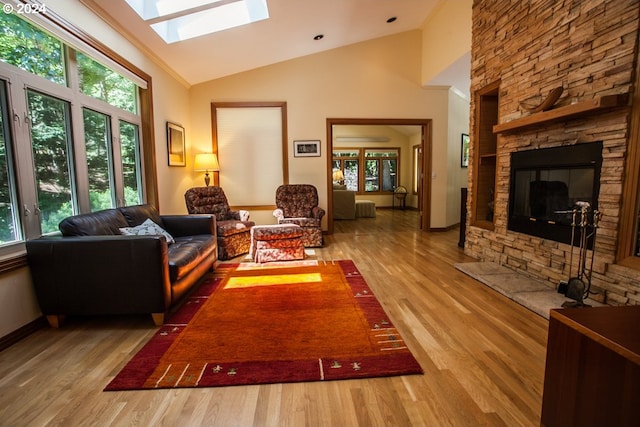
{"x": 298, "y": 204}
{"x": 233, "y": 227}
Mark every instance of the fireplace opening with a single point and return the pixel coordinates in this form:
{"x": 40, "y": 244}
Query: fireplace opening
{"x": 547, "y": 183}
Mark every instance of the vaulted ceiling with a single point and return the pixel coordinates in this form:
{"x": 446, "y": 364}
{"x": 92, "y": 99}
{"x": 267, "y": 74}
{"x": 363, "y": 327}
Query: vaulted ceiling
{"x": 288, "y": 33}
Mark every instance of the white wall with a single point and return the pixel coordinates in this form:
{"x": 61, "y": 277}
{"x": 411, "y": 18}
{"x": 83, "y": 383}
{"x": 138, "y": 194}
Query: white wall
{"x": 446, "y": 36}
{"x": 374, "y": 79}
{"x": 457, "y": 175}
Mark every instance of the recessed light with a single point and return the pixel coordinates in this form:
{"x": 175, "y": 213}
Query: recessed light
{"x": 392, "y": 19}
{"x": 319, "y": 37}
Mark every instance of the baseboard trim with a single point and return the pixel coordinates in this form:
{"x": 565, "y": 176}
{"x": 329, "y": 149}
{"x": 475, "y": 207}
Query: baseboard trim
{"x": 449, "y": 228}
{"x": 23, "y": 332}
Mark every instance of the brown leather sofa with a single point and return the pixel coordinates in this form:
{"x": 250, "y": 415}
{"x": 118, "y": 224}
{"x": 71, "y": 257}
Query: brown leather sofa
{"x": 93, "y": 269}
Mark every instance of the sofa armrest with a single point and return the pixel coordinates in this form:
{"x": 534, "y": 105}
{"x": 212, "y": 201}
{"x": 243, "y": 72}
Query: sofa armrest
{"x": 100, "y": 274}
{"x": 189, "y": 225}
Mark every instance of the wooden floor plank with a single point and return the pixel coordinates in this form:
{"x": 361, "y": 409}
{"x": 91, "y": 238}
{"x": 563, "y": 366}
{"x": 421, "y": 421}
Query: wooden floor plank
{"x": 483, "y": 355}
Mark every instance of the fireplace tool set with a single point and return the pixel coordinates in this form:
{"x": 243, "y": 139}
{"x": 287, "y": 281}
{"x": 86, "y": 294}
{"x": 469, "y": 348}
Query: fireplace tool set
{"x": 578, "y": 287}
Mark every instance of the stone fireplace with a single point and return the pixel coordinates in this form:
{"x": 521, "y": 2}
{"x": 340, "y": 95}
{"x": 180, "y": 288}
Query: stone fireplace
{"x": 521, "y": 51}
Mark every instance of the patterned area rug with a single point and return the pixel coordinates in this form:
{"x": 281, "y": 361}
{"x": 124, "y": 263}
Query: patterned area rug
{"x": 257, "y": 324}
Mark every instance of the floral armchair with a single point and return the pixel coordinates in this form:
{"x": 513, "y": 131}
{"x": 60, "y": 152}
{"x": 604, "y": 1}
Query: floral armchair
{"x": 298, "y": 204}
{"x": 233, "y": 227}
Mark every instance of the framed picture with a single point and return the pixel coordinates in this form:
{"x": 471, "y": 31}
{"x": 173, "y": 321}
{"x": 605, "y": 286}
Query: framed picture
{"x": 175, "y": 145}
{"x": 464, "y": 159}
{"x": 308, "y": 148}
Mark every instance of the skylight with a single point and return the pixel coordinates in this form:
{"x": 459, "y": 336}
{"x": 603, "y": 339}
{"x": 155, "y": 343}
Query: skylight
{"x": 175, "y": 21}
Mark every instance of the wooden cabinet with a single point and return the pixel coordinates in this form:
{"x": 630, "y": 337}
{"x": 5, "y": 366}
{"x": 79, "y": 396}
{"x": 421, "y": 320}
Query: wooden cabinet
{"x": 485, "y": 156}
{"x": 592, "y": 374}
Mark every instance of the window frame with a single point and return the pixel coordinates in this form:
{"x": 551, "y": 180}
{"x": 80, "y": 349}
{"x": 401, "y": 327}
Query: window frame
{"x": 362, "y": 159}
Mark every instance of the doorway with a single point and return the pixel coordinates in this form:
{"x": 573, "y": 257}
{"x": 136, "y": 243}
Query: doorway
{"x": 423, "y": 172}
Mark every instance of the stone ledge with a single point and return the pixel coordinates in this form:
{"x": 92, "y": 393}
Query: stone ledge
{"x": 533, "y": 294}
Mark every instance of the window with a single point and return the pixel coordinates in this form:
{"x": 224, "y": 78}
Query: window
{"x": 257, "y": 133}
{"x": 380, "y": 171}
{"x": 31, "y": 49}
{"x": 97, "y": 138}
{"x": 51, "y": 151}
{"x": 131, "y": 163}
{"x": 73, "y": 138}
{"x": 100, "y": 82}
{"x": 348, "y": 161}
{"x": 9, "y": 225}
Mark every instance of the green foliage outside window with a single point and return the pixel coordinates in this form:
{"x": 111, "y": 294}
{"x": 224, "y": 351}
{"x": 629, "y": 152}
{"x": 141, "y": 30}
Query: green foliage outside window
{"x": 100, "y": 82}
{"x": 130, "y": 154}
{"x": 31, "y": 49}
{"x": 50, "y": 140}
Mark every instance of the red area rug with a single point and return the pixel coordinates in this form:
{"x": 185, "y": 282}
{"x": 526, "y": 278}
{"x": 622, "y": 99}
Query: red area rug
{"x": 252, "y": 324}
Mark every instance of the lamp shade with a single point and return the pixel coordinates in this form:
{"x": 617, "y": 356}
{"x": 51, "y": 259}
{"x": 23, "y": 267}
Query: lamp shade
{"x": 338, "y": 175}
{"x": 206, "y": 162}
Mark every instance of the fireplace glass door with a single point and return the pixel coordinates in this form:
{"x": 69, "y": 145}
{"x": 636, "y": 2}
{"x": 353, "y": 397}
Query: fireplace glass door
{"x": 547, "y": 184}
{"x": 550, "y": 194}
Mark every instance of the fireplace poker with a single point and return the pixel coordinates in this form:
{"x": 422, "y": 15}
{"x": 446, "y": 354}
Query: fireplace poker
{"x": 576, "y": 288}
{"x": 562, "y": 286}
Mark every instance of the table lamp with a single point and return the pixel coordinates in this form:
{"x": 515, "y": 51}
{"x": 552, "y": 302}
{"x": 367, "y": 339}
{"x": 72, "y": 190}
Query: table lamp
{"x": 338, "y": 176}
{"x": 207, "y": 162}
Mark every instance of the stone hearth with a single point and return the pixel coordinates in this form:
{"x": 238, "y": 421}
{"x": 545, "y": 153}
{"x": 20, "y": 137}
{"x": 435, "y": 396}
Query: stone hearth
{"x": 533, "y": 294}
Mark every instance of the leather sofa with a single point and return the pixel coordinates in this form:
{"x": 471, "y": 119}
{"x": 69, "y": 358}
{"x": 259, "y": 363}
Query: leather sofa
{"x": 91, "y": 268}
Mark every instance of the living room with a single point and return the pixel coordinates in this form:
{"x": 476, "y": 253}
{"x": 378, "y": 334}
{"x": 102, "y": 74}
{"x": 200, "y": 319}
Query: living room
{"x": 313, "y": 90}
{"x": 333, "y": 84}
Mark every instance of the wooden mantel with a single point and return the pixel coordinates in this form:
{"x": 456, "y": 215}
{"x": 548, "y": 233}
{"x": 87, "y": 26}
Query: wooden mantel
{"x": 563, "y": 113}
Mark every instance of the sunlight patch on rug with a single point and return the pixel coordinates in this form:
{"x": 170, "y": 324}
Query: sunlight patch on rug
{"x": 280, "y": 279}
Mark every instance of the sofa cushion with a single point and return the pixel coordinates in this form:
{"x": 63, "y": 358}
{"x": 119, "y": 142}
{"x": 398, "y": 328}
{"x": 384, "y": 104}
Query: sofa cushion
{"x": 101, "y": 223}
{"x": 187, "y": 252}
{"x": 147, "y": 228}
{"x": 136, "y": 215}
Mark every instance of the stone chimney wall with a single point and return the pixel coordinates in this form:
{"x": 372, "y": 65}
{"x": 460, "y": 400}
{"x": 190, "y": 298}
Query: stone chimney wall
{"x": 590, "y": 48}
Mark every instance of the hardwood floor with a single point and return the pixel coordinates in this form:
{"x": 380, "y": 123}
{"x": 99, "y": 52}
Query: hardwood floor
{"x": 483, "y": 355}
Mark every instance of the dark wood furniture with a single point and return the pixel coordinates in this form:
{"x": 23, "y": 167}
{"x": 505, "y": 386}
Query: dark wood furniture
{"x": 592, "y": 375}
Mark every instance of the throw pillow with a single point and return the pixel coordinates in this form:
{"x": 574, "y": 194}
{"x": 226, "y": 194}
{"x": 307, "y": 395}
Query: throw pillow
{"x": 147, "y": 228}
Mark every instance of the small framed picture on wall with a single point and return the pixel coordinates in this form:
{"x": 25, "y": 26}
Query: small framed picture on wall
{"x": 306, "y": 148}
{"x": 464, "y": 159}
{"x": 175, "y": 145}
